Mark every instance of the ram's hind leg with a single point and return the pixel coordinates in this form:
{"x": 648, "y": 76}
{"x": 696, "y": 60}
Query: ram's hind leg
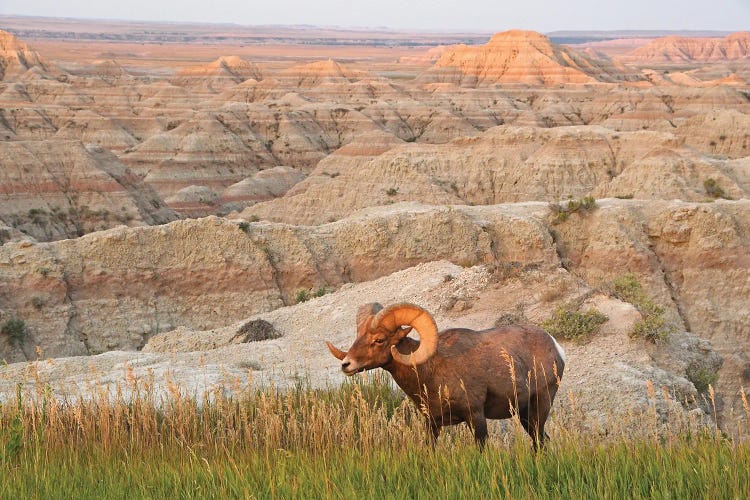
{"x": 478, "y": 424}
{"x": 533, "y": 418}
{"x": 433, "y": 430}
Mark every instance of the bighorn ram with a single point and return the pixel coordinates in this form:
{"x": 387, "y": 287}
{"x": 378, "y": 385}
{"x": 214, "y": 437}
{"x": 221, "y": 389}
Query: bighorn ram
{"x": 460, "y": 375}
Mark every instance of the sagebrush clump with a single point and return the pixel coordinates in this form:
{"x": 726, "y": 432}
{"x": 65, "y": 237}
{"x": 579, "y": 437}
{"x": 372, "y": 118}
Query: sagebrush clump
{"x": 713, "y": 189}
{"x": 701, "y": 377}
{"x": 653, "y": 326}
{"x": 573, "y": 325}
{"x": 15, "y": 329}
{"x": 563, "y": 211}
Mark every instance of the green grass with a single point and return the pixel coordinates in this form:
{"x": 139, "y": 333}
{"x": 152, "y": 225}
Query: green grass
{"x": 359, "y": 440}
{"x": 621, "y": 470}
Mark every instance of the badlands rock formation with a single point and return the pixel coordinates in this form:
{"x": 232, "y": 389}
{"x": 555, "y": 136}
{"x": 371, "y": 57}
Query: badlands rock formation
{"x": 115, "y": 289}
{"x": 16, "y": 58}
{"x": 61, "y": 189}
{"x": 365, "y": 180}
{"x": 601, "y": 374}
{"x": 517, "y": 57}
{"x": 225, "y": 72}
{"x": 507, "y": 164}
{"x": 676, "y": 49}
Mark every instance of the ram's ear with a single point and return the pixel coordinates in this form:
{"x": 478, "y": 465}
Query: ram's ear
{"x": 402, "y": 332}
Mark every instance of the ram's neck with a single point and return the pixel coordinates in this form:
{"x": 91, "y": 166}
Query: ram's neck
{"x": 409, "y": 378}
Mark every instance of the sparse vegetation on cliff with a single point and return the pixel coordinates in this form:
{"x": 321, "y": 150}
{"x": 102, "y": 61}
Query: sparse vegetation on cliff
{"x": 702, "y": 378}
{"x": 562, "y": 211}
{"x": 15, "y": 329}
{"x": 574, "y": 325}
{"x": 713, "y": 189}
{"x": 303, "y": 296}
{"x": 653, "y": 326}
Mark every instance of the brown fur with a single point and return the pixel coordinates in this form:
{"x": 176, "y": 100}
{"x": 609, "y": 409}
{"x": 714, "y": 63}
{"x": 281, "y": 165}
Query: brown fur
{"x": 473, "y": 376}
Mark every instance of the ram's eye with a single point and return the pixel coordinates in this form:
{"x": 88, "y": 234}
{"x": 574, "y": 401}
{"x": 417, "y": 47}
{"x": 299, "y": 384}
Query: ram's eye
{"x": 379, "y": 341}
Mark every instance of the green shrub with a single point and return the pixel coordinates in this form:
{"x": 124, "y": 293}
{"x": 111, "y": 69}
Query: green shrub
{"x": 628, "y": 289}
{"x": 574, "y": 325}
{"x": 303, "y": 296}
{"x": 15, "y": 328}
{"x": 562, "y": 211}
{"x": 244, "y": 226}
{"x": 713, "y": 189}
{"x": 392, "y": 191}
{"x": 653, "y": 326}
{"x": 320, "y": 292}
{"x": 701, "y": 378}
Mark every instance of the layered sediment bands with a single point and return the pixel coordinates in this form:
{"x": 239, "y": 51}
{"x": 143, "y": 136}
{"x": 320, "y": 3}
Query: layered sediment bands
{"x": 114, "y": 289}
{"x": 692, "y": 257}
{"x": 16, "y": 57}
{"x": 61, "y": 189}
{"x": 518, "y": 57}
{"x": 118, "y": 287}
{"x": 507, "y": 164}
{"x": 219, "y": 75}
{"x": 677, "y": 49}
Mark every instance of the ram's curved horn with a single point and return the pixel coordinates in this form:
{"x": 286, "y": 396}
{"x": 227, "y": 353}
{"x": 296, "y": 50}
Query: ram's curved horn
{"x": 365, "y": 314}
{"x": 336, "y": 351}
{"x": 397, "y": 315}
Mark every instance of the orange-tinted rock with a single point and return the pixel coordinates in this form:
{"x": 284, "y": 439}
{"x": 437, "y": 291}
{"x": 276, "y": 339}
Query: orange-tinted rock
{"x": 677, "y": 49}
{"x": 517, "y": 57}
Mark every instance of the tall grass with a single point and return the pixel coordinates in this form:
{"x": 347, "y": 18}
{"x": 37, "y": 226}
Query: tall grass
{"x": 361, "y": 439}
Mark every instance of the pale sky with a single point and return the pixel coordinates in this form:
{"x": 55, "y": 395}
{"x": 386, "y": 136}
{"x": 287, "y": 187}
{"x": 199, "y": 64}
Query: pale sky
{"x": 484, "y": 15}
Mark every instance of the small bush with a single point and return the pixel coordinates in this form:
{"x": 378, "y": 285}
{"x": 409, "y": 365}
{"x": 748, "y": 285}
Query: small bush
{"x": 701, "y": 378}
{"x": 574, "y": 325}
{"x": 303, "y": 296}
{"x": 15, "y": 328}
{"x": 713, "y": 189}
{"x": 320, "y": 292}
{"x": 512, "y": 318}
{"x": 392, "y": 191}
{"x": 653, "y": 327}
{"x": 249, "y": 365}
{"x": 628, "y": 289}
{"x": 257, "y": 330}
{"x": 562, "y": 211}
{"x": 244, "y": 226}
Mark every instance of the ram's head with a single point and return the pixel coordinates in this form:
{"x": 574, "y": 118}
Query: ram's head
{"x": 380, "y": 331}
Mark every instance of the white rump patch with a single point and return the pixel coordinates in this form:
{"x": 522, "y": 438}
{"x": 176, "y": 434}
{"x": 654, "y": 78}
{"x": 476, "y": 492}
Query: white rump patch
{"x": 559, "y": 348}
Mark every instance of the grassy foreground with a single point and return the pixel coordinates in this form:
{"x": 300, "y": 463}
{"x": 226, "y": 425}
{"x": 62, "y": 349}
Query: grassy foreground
{"x": 359, "y": 440}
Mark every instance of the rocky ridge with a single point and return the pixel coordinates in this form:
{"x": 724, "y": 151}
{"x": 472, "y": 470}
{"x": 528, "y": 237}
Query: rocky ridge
{"x": 676, "y": 49}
